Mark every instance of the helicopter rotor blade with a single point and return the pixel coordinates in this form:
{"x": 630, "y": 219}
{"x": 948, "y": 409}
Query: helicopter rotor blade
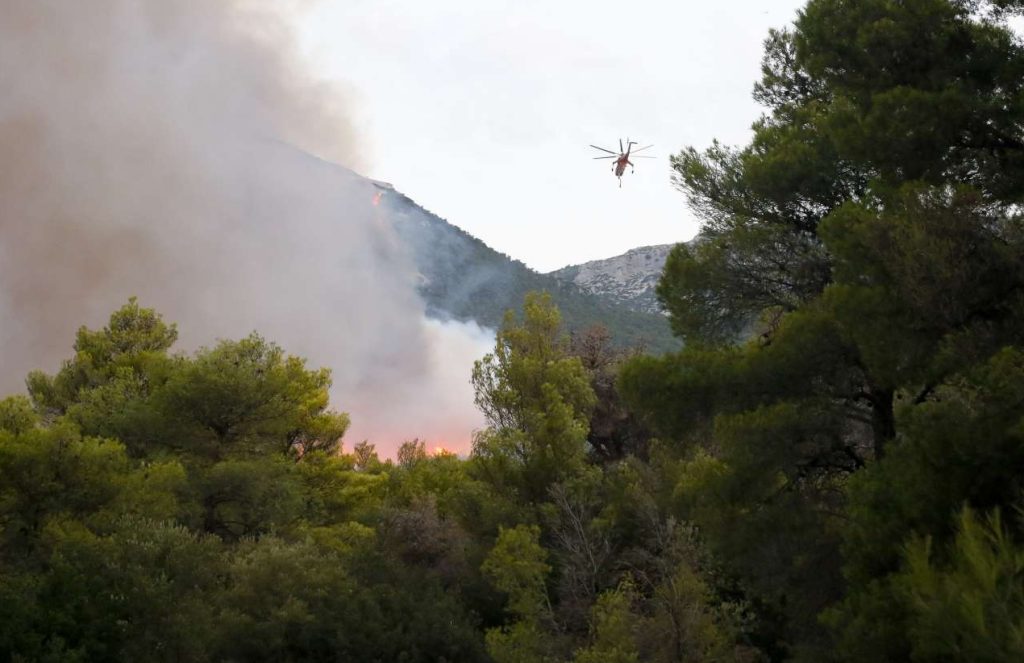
{"x": 643, "y": 148}
{"x": 610, "y": 156}
{"x": 620, "y": 145}
{"x": 603, "y": 150}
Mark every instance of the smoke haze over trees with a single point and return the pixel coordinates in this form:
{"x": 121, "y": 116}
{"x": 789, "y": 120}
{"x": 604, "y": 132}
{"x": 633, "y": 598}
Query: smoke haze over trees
{"x": 160, "y": 149}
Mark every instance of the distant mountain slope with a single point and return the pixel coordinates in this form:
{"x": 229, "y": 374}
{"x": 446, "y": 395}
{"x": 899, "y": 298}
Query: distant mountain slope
{"x": 464, "y": 279}
{"x": 628, "y": 280}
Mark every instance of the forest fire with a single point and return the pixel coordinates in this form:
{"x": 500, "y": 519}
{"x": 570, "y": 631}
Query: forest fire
{"x": 216, "y": 211}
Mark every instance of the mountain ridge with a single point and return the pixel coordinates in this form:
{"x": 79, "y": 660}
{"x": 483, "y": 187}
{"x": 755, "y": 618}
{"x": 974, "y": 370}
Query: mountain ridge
{"x": 628, "y": 279}
{"x": 462, "y": 278}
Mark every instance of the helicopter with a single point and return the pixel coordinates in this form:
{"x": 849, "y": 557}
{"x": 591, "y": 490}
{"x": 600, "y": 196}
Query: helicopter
{"x": 622, "y": 157}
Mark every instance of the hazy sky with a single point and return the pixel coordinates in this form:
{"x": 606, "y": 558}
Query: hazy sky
{"x": 482, "y": 110}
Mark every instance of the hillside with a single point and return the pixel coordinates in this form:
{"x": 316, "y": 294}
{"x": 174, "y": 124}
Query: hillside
{"x": 461, "y": 278}
{"x": 464, "y": 279}
{"x": 627, "y": 280}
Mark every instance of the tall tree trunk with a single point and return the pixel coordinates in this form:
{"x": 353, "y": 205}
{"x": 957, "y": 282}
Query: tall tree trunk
{"x": 883, "y": 419}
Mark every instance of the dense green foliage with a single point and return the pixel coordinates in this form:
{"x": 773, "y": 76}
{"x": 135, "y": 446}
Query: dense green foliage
{"x": 159, "y": 506}
{"x": 854, "y": 314}
{"x": 831, "y": 469}
{"x": 163, "y": 507}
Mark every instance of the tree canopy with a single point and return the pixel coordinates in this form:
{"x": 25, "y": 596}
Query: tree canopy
{"x": 854, "y": 292}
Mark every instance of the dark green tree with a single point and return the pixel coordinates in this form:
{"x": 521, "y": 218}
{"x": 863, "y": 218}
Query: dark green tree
{"x": 537, "y": 400}
{"x": 857, "y": 261}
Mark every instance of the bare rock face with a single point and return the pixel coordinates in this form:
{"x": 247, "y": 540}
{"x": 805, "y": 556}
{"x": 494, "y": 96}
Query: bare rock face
{"x": 628, "y": 280}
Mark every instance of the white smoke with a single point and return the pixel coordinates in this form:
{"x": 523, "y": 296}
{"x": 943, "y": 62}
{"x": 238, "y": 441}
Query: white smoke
{"x": 160, "y": 148}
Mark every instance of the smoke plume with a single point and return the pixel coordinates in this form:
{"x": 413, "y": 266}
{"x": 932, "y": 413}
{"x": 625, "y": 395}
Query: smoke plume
{"x": 162, "y": 148}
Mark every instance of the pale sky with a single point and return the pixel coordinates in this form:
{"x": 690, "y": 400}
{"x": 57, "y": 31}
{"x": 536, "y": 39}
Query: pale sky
{"x": 482, "y": 110}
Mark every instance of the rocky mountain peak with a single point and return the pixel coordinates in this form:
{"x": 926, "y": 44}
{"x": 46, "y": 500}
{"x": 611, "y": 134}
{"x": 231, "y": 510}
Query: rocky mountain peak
{"x": 628, "y": 280}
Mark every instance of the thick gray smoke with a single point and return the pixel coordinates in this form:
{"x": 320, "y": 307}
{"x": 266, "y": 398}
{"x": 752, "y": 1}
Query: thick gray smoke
{"x": 160, "y": 148}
